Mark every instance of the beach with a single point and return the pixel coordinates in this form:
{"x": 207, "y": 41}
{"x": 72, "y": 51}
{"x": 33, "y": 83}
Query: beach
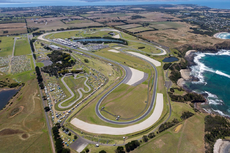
{"x": 217, "y": 35}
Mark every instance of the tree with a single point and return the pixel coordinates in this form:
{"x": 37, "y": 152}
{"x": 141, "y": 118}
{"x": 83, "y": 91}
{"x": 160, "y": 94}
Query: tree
{"x": 86, "y": 60}
{"x": 102, "y": 151}
{"x": 120, "y": 149}
{"x": 145, "y": 138}
{"x": 75, "y": 136}
{"x": 86, "y": 149}
{"x": 47, "y": 109}
{"x": 151, "y": 135}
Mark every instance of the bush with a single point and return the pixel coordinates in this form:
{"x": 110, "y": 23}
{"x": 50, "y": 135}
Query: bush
{"x": 86, "y": 60}
{"x": 166, "y": 66}
{"x": 151, "y": 135}
{"x": 86, "y": 149}
{"x": 120, "y": 149}
{"x": 167, "y": 125}
{"x": 47, "y": 109}
{"x": 186, "y": 115}
{"x": 145, "y": 138}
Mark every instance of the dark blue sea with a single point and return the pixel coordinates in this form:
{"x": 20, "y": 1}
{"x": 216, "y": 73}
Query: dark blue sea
{"x": 213, "y": 71}
{"x": 222, "y": 4}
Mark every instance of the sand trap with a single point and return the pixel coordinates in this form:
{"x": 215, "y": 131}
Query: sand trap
{"x": 117, "y": 47}
{"x": 114, "y": 51}
{"x": 116, "y": 36}
{"x": 155, "y": 62}
{"x": 136, "y": 77}
{"x": 99, "y": 129}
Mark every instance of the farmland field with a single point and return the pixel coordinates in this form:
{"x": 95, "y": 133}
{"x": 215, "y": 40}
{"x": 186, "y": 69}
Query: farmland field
{"x": 140, "y": 29}
{"x": 22, "y": 47}
{"x": 6, "y": 45}
{"x": 129, "y": 26}
{"x": 166, "y": 25}
{"x": 12, "y": 28}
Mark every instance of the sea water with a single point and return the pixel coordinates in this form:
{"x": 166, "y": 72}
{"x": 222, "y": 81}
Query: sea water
{"x": 224, "y": 35}
{"x": 213, "y": 71}
{"x": 220, "y": 4}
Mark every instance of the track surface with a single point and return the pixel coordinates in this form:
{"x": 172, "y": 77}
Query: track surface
{"x": 71, "y": 92}
{"x": 123, "y": 80}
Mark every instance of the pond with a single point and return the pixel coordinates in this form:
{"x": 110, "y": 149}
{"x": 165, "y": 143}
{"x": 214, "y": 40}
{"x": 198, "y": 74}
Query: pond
{"x": 170, "y": 59}
{"x": 5, "y": 96}
{"x": 100, "y": 40}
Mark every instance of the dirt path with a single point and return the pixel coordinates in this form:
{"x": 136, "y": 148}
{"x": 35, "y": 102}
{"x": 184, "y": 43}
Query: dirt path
{"x": 9, "y": 71}
{"x": 182, "y": 133}
{"x": 31, "y": 111}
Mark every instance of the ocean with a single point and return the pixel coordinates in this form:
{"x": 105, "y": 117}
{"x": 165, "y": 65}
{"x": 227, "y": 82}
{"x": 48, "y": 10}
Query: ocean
{"x": 222, "y": 4}
{"x": 213, "y": 71}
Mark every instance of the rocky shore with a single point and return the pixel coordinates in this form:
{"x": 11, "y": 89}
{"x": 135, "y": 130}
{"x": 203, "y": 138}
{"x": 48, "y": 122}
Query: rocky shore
{"x": 185, "y": 73}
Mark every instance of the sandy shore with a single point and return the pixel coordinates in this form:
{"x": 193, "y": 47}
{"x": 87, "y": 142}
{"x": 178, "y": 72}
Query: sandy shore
{"x": 7, "y": 88}
{"x": 187, "y": 54}
{"x": 181, "y": 82}
{"x": 221, "y": 146}
{"x": 217, "y": 34}
{"x": 185, "y": 74}
{"x": 100, "y": 129}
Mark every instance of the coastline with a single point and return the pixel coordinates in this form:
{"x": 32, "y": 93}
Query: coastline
{"x": 217, "y": 34}
{"x": 206, "y": 106}
{"x": 7, "y": 88}
{"x": 185, "y": 73}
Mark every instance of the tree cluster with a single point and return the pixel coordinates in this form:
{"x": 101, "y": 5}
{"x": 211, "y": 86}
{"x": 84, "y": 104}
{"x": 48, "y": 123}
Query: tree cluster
{"x": 166, "y": 66}
{"x": 39, "y": 77}
{"x": 215, "y": 128}
{"x": 61, "y": 61}
{"x": 186, "y": 115}
{"x": 120, "y": 149}
{"x": 193, "y": 97}
{"x": 58, "y": 141}
{"x": 167, "y": 125}
{"x": 132, "y": 145}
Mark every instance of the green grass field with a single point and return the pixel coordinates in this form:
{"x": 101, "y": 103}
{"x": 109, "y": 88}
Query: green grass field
{"x": 24, "y": 76}
{"x": 40, "y": 64}
{"x": 189, "y": 139}
{"x": 126, "y": 101}
{"x": 22, "y": 47}
{"x": 25, "y": 130}
{"x": 6, "y": 45}
{"x": 147, "y": 48}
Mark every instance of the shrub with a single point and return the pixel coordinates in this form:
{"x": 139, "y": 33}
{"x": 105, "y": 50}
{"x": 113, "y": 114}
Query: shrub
{"x": 145, "y": 138}
{"x": 86, "y": 60}
{"x": 151, "y": 135}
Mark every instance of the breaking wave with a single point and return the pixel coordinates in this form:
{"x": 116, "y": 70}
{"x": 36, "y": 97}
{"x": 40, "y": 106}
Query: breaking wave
{"x": 199, "y": 68}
